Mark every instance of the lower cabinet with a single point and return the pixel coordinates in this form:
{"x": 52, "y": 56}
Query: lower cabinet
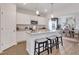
{"x": 21, "y": 36}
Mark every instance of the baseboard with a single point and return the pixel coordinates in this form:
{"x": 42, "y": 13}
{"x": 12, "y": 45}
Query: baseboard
{"x": 12, "y": 46}
{"x": 8, "y": 47}
{"x": 21, "y": 42}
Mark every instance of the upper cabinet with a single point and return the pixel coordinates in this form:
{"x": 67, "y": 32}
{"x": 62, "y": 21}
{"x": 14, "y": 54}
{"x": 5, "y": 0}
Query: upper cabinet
{"x": 23, "y": 18}
{"x": 41, "y": 21}
{"x": 26, "y": 19}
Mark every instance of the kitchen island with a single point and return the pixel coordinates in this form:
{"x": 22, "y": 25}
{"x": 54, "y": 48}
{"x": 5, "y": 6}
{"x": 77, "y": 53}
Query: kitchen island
{"x": 31, "y": 37}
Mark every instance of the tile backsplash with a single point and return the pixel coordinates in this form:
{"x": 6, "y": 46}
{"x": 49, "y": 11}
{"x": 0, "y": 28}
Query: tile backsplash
{"x": 24, "y": 27}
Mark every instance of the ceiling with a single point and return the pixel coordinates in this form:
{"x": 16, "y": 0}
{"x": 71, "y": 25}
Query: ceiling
{"x": 50, "y": 8}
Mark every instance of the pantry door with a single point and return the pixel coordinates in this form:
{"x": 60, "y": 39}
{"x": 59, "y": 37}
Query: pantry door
{"x": 8, "y": 26}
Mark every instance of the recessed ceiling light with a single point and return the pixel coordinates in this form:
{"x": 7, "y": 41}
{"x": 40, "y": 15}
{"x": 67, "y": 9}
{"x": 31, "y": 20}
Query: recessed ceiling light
{"x": 37, "y": 12}
{"x": 52, "y": 16}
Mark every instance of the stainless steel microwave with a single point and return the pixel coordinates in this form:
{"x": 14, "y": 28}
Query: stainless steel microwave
{"x": 34, "y": 22}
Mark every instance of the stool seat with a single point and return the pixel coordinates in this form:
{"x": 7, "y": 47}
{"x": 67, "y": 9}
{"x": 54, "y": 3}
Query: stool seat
{"x": 58, "y": 35}
{"x": 41, "y": 40}
{"x": 52, "y": 40}
{"x": 52, "y": 37}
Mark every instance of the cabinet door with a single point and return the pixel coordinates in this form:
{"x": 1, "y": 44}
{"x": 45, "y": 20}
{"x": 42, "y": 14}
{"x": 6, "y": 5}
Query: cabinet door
{"x": 41, "y": 21}
{"x": 23, "y": 18}
{"x": 27, "y": 19}
{"x": 8, "y": 26}
{"x": 20, "y": 18}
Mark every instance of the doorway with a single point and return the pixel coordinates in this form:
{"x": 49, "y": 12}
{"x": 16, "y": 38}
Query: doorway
{"x": 53, "y": 24}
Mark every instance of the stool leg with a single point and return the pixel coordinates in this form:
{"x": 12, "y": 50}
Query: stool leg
{"x": 57, "y": 43}
{"x": 47, "y": 47}
{"x": 73, "y": 34}
{"x": 35, "y": 49}
{"x": 38, "y": 48}
{"x": 61, "y": 41}
{"x": 50, "y": 46}
{"x": 53, "y": 43}
{"x": 43, "y": 46}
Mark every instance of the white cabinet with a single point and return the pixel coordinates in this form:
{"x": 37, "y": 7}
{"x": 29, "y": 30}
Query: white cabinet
{"x": 34, "y": 18}
{"x": 41, "y": 21}
{"x": 21, "y": 36}
{"x": 23, "y": 18}
{"x": 8, "y": 26}
{"x": 26, "y": 19}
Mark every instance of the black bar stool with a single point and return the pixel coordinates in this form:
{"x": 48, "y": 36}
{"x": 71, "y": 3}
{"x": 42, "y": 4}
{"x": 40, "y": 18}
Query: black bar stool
{"x": 59, "y": 37}
{"x": 52, "y": 42}
{"x": 41, "y": 45}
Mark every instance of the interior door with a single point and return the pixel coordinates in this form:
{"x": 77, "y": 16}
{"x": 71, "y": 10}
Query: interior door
{"x": 8, "y": 26}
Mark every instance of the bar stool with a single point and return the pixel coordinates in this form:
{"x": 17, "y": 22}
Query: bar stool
{"x": 52, "y": 42}
{"x": 41, "y": 45}
{"x": 59, "y": 36}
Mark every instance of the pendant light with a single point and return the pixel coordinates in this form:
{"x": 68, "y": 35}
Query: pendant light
{"x": 52, "y": 16}
{"x": 37, "y": 12}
